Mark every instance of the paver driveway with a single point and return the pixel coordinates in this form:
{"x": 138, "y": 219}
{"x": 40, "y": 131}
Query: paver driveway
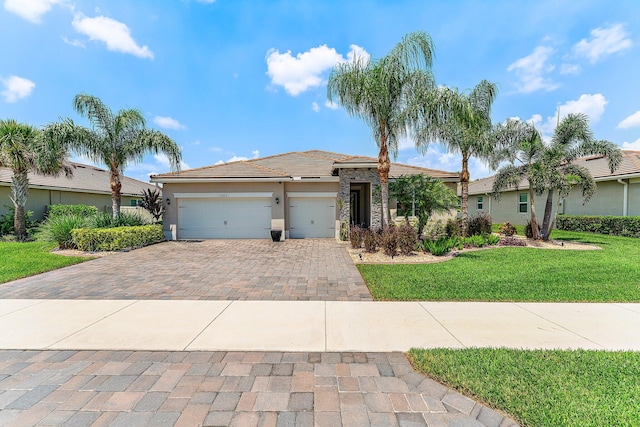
{"x": 306, "y": 269}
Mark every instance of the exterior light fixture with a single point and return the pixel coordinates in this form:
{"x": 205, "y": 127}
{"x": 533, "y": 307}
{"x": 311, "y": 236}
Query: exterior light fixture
{"x": 277, "y": 200}
{"x": 168, "y": 201}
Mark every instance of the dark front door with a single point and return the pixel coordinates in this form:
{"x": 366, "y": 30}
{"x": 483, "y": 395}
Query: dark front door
{"x": 360, "y": 204}
{"x": 354, "y": 202}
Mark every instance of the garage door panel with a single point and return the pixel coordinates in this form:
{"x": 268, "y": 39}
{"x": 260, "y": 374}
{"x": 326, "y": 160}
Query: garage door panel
{"x": 312, "y": 217}
{"x": 224, "y": 218}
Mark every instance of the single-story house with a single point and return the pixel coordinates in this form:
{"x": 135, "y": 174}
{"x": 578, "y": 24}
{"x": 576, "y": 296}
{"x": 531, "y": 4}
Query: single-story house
{"x": 305, "y": 194}
{"x": 88, "y": 186}
{"x": 617, "y": 194}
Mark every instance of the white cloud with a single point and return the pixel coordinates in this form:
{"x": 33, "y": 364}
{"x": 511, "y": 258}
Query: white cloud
{"x": 16, "y": 88}
{"x": 331, "y": 105}
{"x": 31, "y": 10}
{"x": 591, "y": 105}
{"x": 234, "y": 158}
{"x": 114, "y": 34}
{"x": 315, "y": 107}
{"x": 603, "y": 42}
{"x": 569, "y": 69}
{"x": 74, "y": 42}
{"x": 168, "y": 123}
{"x": 635, "y": 145}
{"x": 630, "y": 122}
{"x": 531, "y": 71}
{"x": 163, "y": 161}
{"x": 207, "y": 1}
{"x": 306, "y": 70}
{"x": 256, "y": 153}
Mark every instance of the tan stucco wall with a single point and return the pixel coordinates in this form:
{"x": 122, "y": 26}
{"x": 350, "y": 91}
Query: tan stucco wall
{"x": 606, "y": 201}
{"x": 504, "y": 209}
{"x": 634, "y": 198}
{"x": 39, "y": 199}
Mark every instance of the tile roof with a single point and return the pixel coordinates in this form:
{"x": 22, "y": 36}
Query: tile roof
{"x": 597, "y": 166}
{"x": 304, "y": 164}
{"x": 86, "y": 179}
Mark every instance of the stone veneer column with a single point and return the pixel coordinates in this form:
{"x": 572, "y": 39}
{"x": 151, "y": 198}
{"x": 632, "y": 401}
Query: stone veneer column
{"x": 370, "y": 175}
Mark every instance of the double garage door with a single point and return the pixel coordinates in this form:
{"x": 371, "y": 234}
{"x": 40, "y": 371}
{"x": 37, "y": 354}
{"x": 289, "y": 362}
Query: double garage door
{"x": 224, "y": 218}
{"x": 250, "y": 217}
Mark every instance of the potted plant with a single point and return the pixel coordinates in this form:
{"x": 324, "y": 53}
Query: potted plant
{"x": 276, "y": 235}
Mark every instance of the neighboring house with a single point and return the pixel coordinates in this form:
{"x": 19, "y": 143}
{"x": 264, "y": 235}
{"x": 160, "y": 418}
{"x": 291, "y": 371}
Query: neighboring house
{"x": 88, "y": 186}
{"x": 617, "y": 194}
{"x": 306, "y": 194}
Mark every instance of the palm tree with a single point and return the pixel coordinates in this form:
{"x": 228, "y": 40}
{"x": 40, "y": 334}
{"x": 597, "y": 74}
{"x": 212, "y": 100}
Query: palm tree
{"x": 115, "y": 140}
{"x": 520, "y": 144}
{"x": 464, "y": 131}
{"x": 23, "y": 151}
{"x": 572, "y": 139}
{"x": 380, "y": 93}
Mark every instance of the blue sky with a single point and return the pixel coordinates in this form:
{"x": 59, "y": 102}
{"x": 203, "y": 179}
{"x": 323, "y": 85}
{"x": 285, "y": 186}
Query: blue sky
{"x": 236, "y": 79}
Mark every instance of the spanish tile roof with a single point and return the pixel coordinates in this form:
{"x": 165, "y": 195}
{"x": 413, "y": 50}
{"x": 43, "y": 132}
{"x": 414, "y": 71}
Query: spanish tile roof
{"x": 597, "y": 166}
{"x": 303, "y": 164}
{"x": 86, "y": 179}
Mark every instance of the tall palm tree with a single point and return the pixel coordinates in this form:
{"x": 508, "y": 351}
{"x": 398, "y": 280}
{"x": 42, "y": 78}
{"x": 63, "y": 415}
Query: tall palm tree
{"x": 380, "y": 93}
{"x": 464, "y": 131}
{"x": 23, "y": 151}
{"x": 572, "y": 139}
{"x": 116, "y": 140}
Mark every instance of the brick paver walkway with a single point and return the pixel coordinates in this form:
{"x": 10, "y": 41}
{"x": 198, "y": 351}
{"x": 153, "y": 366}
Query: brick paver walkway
{"x": 308, "y": 269}
{"x": 123, "y": 388}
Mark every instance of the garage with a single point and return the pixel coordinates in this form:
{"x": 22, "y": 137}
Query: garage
{"x": 226, "y": 216}
{"x": 312, "y": 215}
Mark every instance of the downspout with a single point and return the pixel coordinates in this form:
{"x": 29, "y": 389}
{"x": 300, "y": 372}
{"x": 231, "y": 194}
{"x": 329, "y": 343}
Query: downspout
{"x": 489, "y": 202}
{"x": 625, "y": 196}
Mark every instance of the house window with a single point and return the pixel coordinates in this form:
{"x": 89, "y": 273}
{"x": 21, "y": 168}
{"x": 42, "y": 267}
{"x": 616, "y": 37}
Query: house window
{"x": 480, "y": 203}
{"x": 523, "y": 203}
{"x": 133, "y": 203}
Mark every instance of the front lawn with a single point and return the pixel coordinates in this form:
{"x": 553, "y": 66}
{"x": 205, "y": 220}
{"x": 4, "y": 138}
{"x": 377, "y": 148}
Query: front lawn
{"x": 543, "y": 387}
{"x": 519, "y": 274}
{"x": 19, "y": 259}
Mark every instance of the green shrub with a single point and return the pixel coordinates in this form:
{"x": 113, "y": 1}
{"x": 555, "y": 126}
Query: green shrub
{"x": 62, "y": 210}
{"x": 407, "y": 238}
{"x": 492, "y": 239}
{"x": 6, "y": 222}
{"x": 58, "y": 228}
{"x": 389, "y": 240}
{"x": 453, "y": 227}
{"x": 507, "y": 229}
{"x": 116, "y": 238}
{"x": 479, "y": 224}
{"x": 344, "y": 230}
{"x": 355, "y": 236}
{"x": 475, "y": 241}
{"x": 435, "y": 230}
{"x": 439, "y": 247}
{"x": 124, "y": 219}
{"x": 370, "y": 240}
{"x": 628, "y": 226}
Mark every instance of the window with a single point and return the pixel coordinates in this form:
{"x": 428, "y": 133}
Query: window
{"x": 133, "y": 203}
{"x": 480, "y": 203}
{"x": 523, "y": 203}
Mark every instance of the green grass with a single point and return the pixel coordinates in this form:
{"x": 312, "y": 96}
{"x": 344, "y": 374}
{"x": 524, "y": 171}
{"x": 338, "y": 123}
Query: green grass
{"x": 543, "y": 387}
{"x": 519, "y": 274}
{"x": 20, "y": 259}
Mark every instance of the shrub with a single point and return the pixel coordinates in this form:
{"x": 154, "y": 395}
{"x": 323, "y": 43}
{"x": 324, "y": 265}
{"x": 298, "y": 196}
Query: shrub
{"x": 628, "y": 226}
{"x": 475, "y": 241}
{"x": 355, "y": 236}
{"x": 62, "y": 210}
{"x": 512, "y": 241}
{"x": 439, "y": 247}
{"x": 124, "y": 219}
{"x": 435, "y": 230}
{"x": 116, "y": 238}
{"x": 492, "y": 239}
{"x": 344, "y": 231}
{"x": 507, "y": 229}
{"x": 528, "y": 231}
{"x": 407, "y": 238}
{"x": 479, "y": 224}
{"x": 370, "y": 240}
{"x": 58, "y": 228}
{"x": 152, "y": 202}
{"x": 6, "y": 222}
{"x": 389, "y": 240}
{"x": 453, "y": 227}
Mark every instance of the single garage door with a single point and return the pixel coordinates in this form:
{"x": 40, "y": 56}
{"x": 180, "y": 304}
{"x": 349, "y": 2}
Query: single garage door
{"x": 224, "y": 218}
{"x": 312, "y": 217}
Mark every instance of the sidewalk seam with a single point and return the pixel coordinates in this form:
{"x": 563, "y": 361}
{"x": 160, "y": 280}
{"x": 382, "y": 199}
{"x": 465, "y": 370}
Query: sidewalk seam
{"x": 440, "y": 323}
{"x": 39, "y": 301}
{"x": 208, "y": 324}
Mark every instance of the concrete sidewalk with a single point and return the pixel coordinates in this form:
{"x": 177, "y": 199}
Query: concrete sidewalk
{"x": 312, "y": 326}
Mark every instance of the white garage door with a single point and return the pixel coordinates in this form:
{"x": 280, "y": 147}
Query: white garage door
{"x": 312, "y": 217}
{"x": 226, "y": 218}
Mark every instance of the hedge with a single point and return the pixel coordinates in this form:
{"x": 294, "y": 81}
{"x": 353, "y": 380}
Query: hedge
{"x": 117, "y": 238}
{"x": 615, "y": 225}
{"x": 60, "y": 210}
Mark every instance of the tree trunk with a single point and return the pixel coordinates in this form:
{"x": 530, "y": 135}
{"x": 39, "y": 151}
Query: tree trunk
{"x": 384, "y": 165}
{"x": 464, "y": 187}
{"x": 20, "y": 192}
{"x": 535, "y": 231}
{"x": 548, "y": 207}
{"x": 116, "y": 186}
